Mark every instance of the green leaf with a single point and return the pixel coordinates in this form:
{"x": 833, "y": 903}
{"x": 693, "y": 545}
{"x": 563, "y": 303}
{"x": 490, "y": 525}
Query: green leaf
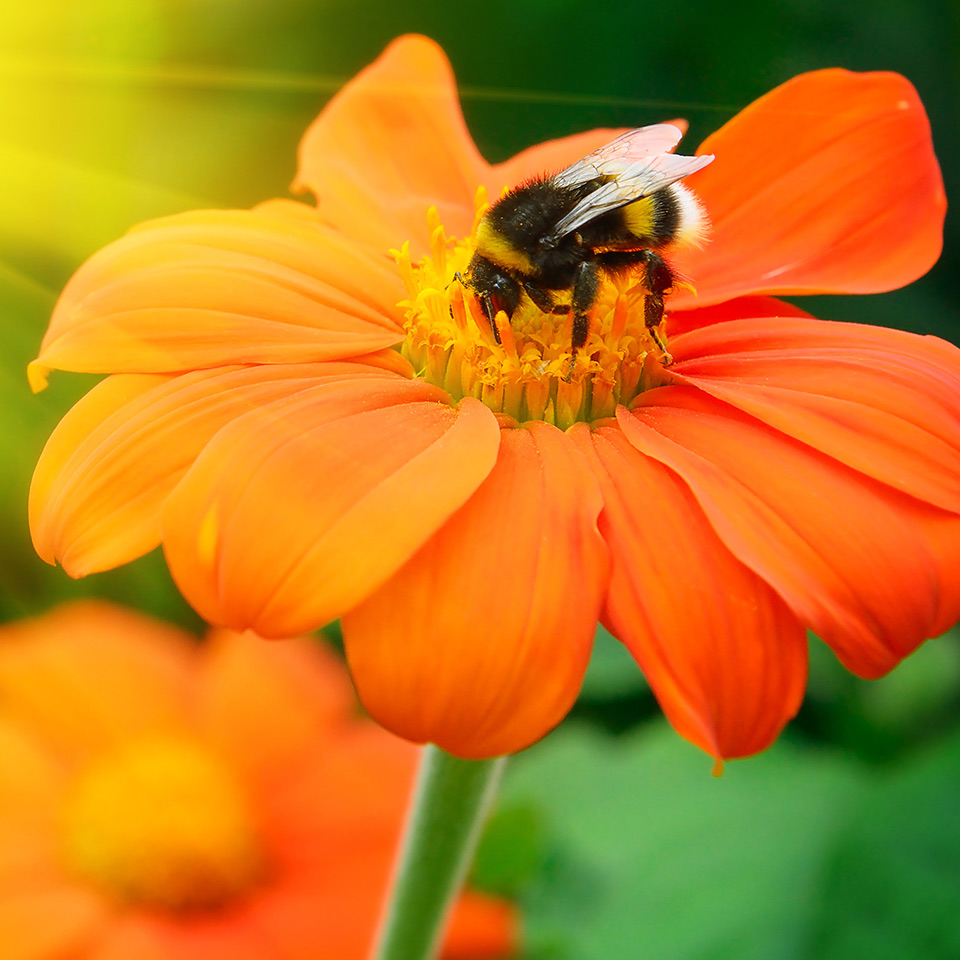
{"x": 511, "y": 850}
{"x": 652, "y": 857}
{"x": 879, "y": 720}
{"x": 892, "y": 888}
{"x": 921, "y": 687}
{"x": 613, "y": 673}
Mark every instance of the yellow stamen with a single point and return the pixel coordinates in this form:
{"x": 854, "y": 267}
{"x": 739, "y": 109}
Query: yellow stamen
{"x": 163, "y": 824}
{"x": 527, "y": 369}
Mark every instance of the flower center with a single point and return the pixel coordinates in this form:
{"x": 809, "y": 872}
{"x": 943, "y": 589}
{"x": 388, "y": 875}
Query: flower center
{"x": 163, "y": 824}
{"x": 528, "y": 368}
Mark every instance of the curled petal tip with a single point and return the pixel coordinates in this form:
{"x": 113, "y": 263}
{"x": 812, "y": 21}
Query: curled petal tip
{"x": 854, "y": 206}
{"x": 38, "y": 376}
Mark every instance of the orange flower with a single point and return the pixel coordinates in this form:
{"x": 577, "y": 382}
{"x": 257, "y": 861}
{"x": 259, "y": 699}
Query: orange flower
{"x": 163, "y": 801}
{"x": 314, "y": 429}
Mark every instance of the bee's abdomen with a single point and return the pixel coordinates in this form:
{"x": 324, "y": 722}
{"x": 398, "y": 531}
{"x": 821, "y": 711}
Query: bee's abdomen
{"x": 654, "y": 219}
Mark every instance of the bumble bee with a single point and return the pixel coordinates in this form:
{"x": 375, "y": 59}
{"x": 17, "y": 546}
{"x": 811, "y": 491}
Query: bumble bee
{"x": 551, "y": 239}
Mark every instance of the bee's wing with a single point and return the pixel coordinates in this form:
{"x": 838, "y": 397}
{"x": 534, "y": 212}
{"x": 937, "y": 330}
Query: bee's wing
{"x": 615, "y": 157}
{"x": 638, "y": 180}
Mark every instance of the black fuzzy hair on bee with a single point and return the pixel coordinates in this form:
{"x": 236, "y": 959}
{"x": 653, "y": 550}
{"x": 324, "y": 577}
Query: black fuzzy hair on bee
{"x": 617, "y": 210}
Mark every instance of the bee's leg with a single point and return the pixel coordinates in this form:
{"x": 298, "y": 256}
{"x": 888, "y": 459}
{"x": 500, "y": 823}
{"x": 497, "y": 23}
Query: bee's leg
{"x": 495, "y": 290}
{"x": 486, "y": 303}
{"x": 542, "y": 299}
{"x": 659, "y": 281}
{"x": 585, "y": 287}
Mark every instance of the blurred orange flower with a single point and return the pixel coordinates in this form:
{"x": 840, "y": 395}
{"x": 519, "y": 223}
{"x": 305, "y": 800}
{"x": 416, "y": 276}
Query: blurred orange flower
{"x": 164, "y": 801}
{"x": 314, "y": 429}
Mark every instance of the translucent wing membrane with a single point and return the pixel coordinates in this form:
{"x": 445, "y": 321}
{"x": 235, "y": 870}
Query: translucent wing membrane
{"x": 638, "y": 180}
{"x": 615, "y": 157}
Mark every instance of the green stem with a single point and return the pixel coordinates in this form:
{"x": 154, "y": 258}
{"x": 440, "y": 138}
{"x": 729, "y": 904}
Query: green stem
{"x": 450, "y": 803}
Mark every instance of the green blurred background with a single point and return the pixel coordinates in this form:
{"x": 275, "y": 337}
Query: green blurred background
{"x": 844, "y": 840}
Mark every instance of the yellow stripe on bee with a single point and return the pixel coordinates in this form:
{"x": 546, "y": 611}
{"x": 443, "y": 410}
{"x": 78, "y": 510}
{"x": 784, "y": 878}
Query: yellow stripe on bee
{"x": 494, "y": 246}
{"x": 638, "y": 217}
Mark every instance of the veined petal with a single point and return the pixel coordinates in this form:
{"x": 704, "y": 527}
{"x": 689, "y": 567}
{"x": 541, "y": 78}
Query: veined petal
{"x": 828, "y": 183}
{"x": 114, "y": 458}
{"x": 683, "y": 321}
{"x": 53, "y": 671}
{"x": 220, "y": 287}
{"x": 479, "y": 643}
{"x": 296, "y": 511}
{"x": 722, "y": 652}
{"x": 53, "y": 520}
{"x": 391, "y": 144}
{"x": 881, "y": 401}
{"x": 872, "y": 571}
{"x": 105, "y": 471}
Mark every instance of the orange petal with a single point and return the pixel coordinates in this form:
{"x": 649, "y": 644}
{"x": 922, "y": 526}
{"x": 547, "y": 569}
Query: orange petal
{"x": 391, "y": 144}
{"x": 479, "y": 644}
{"x": 336, "y": 847}
{"x": 218, "y": 287}
{"x": 331, "y": 851}
{"x": 881, "y": 401}
{"x": 872, "y": 571}
{"x": 215, "y": 935}
{"x": 56, "y": 526}
{"x": 680, "y": 322}
{"x": 32, "y": 784}
{"x": 725, "y": 657}
{"x": 294, "y": 512}
{"x": 49, "y": 924}
{"x": 308, "y": 826}
{"x": 267, "y": 705}
{"x": 354, "y": 854}
{"x": 304, "y": 921}
{"x": 481, "y": 928}
{"x": 90, "y": 676}
{"x": 826, "y": 184}
{"x": 106, "y": 470}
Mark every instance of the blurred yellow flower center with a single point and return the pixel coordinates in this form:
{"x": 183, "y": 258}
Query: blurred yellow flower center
{"x": 532, "y": 373}
{"x": 163, "y": 824}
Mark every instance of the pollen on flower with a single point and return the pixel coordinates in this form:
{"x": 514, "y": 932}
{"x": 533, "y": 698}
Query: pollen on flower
{"x": 529, "y": 370}
{"x": 163, "y": 824}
